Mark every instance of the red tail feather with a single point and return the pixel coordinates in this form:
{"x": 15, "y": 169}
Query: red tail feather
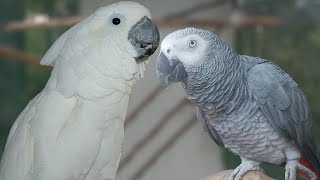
{"x": 306, "y": 164}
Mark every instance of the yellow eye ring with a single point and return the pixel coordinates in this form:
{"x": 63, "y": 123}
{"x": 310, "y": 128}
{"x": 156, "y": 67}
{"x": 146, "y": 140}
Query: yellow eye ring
{"x": 192, "y": 43}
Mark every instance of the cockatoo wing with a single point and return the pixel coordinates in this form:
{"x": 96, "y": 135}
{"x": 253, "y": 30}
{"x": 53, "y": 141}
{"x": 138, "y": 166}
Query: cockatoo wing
{"x": 52, "y": 54}
{"x": 57, "y": 138}
{"x": 56, "y": 49}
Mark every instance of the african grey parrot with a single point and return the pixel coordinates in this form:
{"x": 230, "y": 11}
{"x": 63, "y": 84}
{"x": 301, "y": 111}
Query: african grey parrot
{"x": 73, "y": 129}
{"x": 246, "y": 104}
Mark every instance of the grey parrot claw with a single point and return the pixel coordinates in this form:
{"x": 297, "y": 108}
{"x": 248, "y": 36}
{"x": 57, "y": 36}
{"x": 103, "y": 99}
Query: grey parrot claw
{"x": 244, "y": 168}
{"x": 291, "y": 170}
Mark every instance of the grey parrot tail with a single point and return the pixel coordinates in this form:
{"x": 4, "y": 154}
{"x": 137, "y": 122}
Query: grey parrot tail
{"x": 310, "y": 160}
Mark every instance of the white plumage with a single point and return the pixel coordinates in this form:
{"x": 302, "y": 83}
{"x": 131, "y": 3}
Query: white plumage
{"x": 73, "y": 129}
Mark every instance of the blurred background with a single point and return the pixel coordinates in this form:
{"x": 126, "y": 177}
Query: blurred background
{"x": 163, "y": 139}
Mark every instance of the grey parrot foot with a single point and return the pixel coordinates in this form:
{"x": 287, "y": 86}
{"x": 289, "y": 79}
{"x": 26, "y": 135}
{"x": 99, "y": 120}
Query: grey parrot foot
{"x": 291, "y": 170}
{"x": 243, "y": 168}
{"x": 307, "y": 171}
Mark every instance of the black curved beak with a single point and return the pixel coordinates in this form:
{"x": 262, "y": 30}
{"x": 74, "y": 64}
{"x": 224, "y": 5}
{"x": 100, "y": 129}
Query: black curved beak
{"x": 170, "y": 70}
{"x": 145, "y": 37}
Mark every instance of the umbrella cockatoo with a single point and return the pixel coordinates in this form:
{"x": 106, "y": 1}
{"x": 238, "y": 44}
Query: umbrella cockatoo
{"x": 246, "y": 104}
{"x": 73, "y": 129}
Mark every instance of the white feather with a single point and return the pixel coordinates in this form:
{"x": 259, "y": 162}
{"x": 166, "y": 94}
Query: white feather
{"x": 73, "y": 129}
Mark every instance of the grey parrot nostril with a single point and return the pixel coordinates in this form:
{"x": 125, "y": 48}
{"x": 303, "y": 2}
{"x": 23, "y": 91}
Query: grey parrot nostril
{"x": 168, "y": 51}
{"x": 170, "y": 70}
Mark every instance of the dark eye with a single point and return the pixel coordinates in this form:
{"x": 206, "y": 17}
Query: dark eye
{"x": 116, "y": 21}
{"x": 192, "y": 43}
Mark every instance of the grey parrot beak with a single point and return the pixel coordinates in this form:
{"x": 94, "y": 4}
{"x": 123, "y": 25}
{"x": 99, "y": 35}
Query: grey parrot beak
{"x": 170, "y": 70}
{"x": 145, "y": 37}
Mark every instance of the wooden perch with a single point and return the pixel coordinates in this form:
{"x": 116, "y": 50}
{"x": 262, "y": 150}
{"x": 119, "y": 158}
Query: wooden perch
{"x": 12, "y": 54}
{"x": 256, "y": 175}
{"x": 247, "y": 21}
{"x": 194, "y": 9}
{"x": 45, "y": 24}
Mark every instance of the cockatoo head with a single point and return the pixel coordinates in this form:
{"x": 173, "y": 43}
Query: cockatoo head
{"x": 111, "y": 45}
{"x": 125, "y": 24}
{"x": 129, "y": 22}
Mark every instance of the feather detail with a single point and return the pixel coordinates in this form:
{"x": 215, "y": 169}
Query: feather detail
{"x": 307, "y": 164}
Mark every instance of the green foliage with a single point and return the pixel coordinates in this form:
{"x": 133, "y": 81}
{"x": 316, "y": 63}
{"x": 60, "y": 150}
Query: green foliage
{"x": 11, "y": 73}
{"x": 20, "y": 83}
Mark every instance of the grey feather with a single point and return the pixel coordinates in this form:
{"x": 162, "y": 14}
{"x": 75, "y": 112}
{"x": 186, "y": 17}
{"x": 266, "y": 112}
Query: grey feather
{"x": 209, "y": 129}
{"x": 246, "y": 104}
{"x": 284, "y": 105}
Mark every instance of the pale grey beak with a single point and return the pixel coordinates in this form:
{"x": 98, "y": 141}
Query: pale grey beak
{"x": 145, "y": 37}
{"x": 170, "y": 70}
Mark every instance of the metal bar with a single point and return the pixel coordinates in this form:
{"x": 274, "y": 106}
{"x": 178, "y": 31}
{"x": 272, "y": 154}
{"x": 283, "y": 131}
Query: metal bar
{"x": 179, "y": 133}
{"x": 131, "y": 117}
{"x": 152, "y": 133}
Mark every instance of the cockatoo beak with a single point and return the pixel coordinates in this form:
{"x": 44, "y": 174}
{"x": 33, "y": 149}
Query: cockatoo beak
{"x": 145, "y": 37}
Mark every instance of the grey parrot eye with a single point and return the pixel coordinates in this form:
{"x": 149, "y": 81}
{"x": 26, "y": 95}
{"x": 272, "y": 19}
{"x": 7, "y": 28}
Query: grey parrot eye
{"x": 116, "y": 21}
{"x": 192, "y": 43}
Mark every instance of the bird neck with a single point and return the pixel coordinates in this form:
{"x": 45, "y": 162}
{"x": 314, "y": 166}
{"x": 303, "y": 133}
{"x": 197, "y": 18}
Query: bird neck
{"x": 93, "y": 85}
{"x": 214, "y": 85}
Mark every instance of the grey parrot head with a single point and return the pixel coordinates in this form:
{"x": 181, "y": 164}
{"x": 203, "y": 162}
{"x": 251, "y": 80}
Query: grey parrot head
{"x": 145, "y": 37}
{"x": 188, "y": 51}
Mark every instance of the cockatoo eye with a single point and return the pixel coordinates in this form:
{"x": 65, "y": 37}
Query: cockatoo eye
{"x": 116, "y": 21}
{"x": 192, "y": 43}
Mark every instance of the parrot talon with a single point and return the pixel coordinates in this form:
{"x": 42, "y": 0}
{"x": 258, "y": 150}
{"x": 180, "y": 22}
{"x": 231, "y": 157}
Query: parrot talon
{"x": 243, "y": 168}
{"x": 307, "y": 171}
{"x": 291, "y": 170}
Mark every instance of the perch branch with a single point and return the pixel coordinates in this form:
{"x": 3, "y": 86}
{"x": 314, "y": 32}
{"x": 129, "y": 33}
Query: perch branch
{"x": 46, "y": 24}
{"x": 197, "y": 8}
{"x": 247, "y": 21}
{"x": 12, "y": 54}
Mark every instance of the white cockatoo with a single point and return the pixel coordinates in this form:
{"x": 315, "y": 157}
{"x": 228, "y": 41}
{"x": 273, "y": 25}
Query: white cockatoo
{"x": 73, "y": 129}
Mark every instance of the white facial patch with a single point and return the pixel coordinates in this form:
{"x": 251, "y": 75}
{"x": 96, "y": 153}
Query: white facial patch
{"x": 188, "y": 49}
